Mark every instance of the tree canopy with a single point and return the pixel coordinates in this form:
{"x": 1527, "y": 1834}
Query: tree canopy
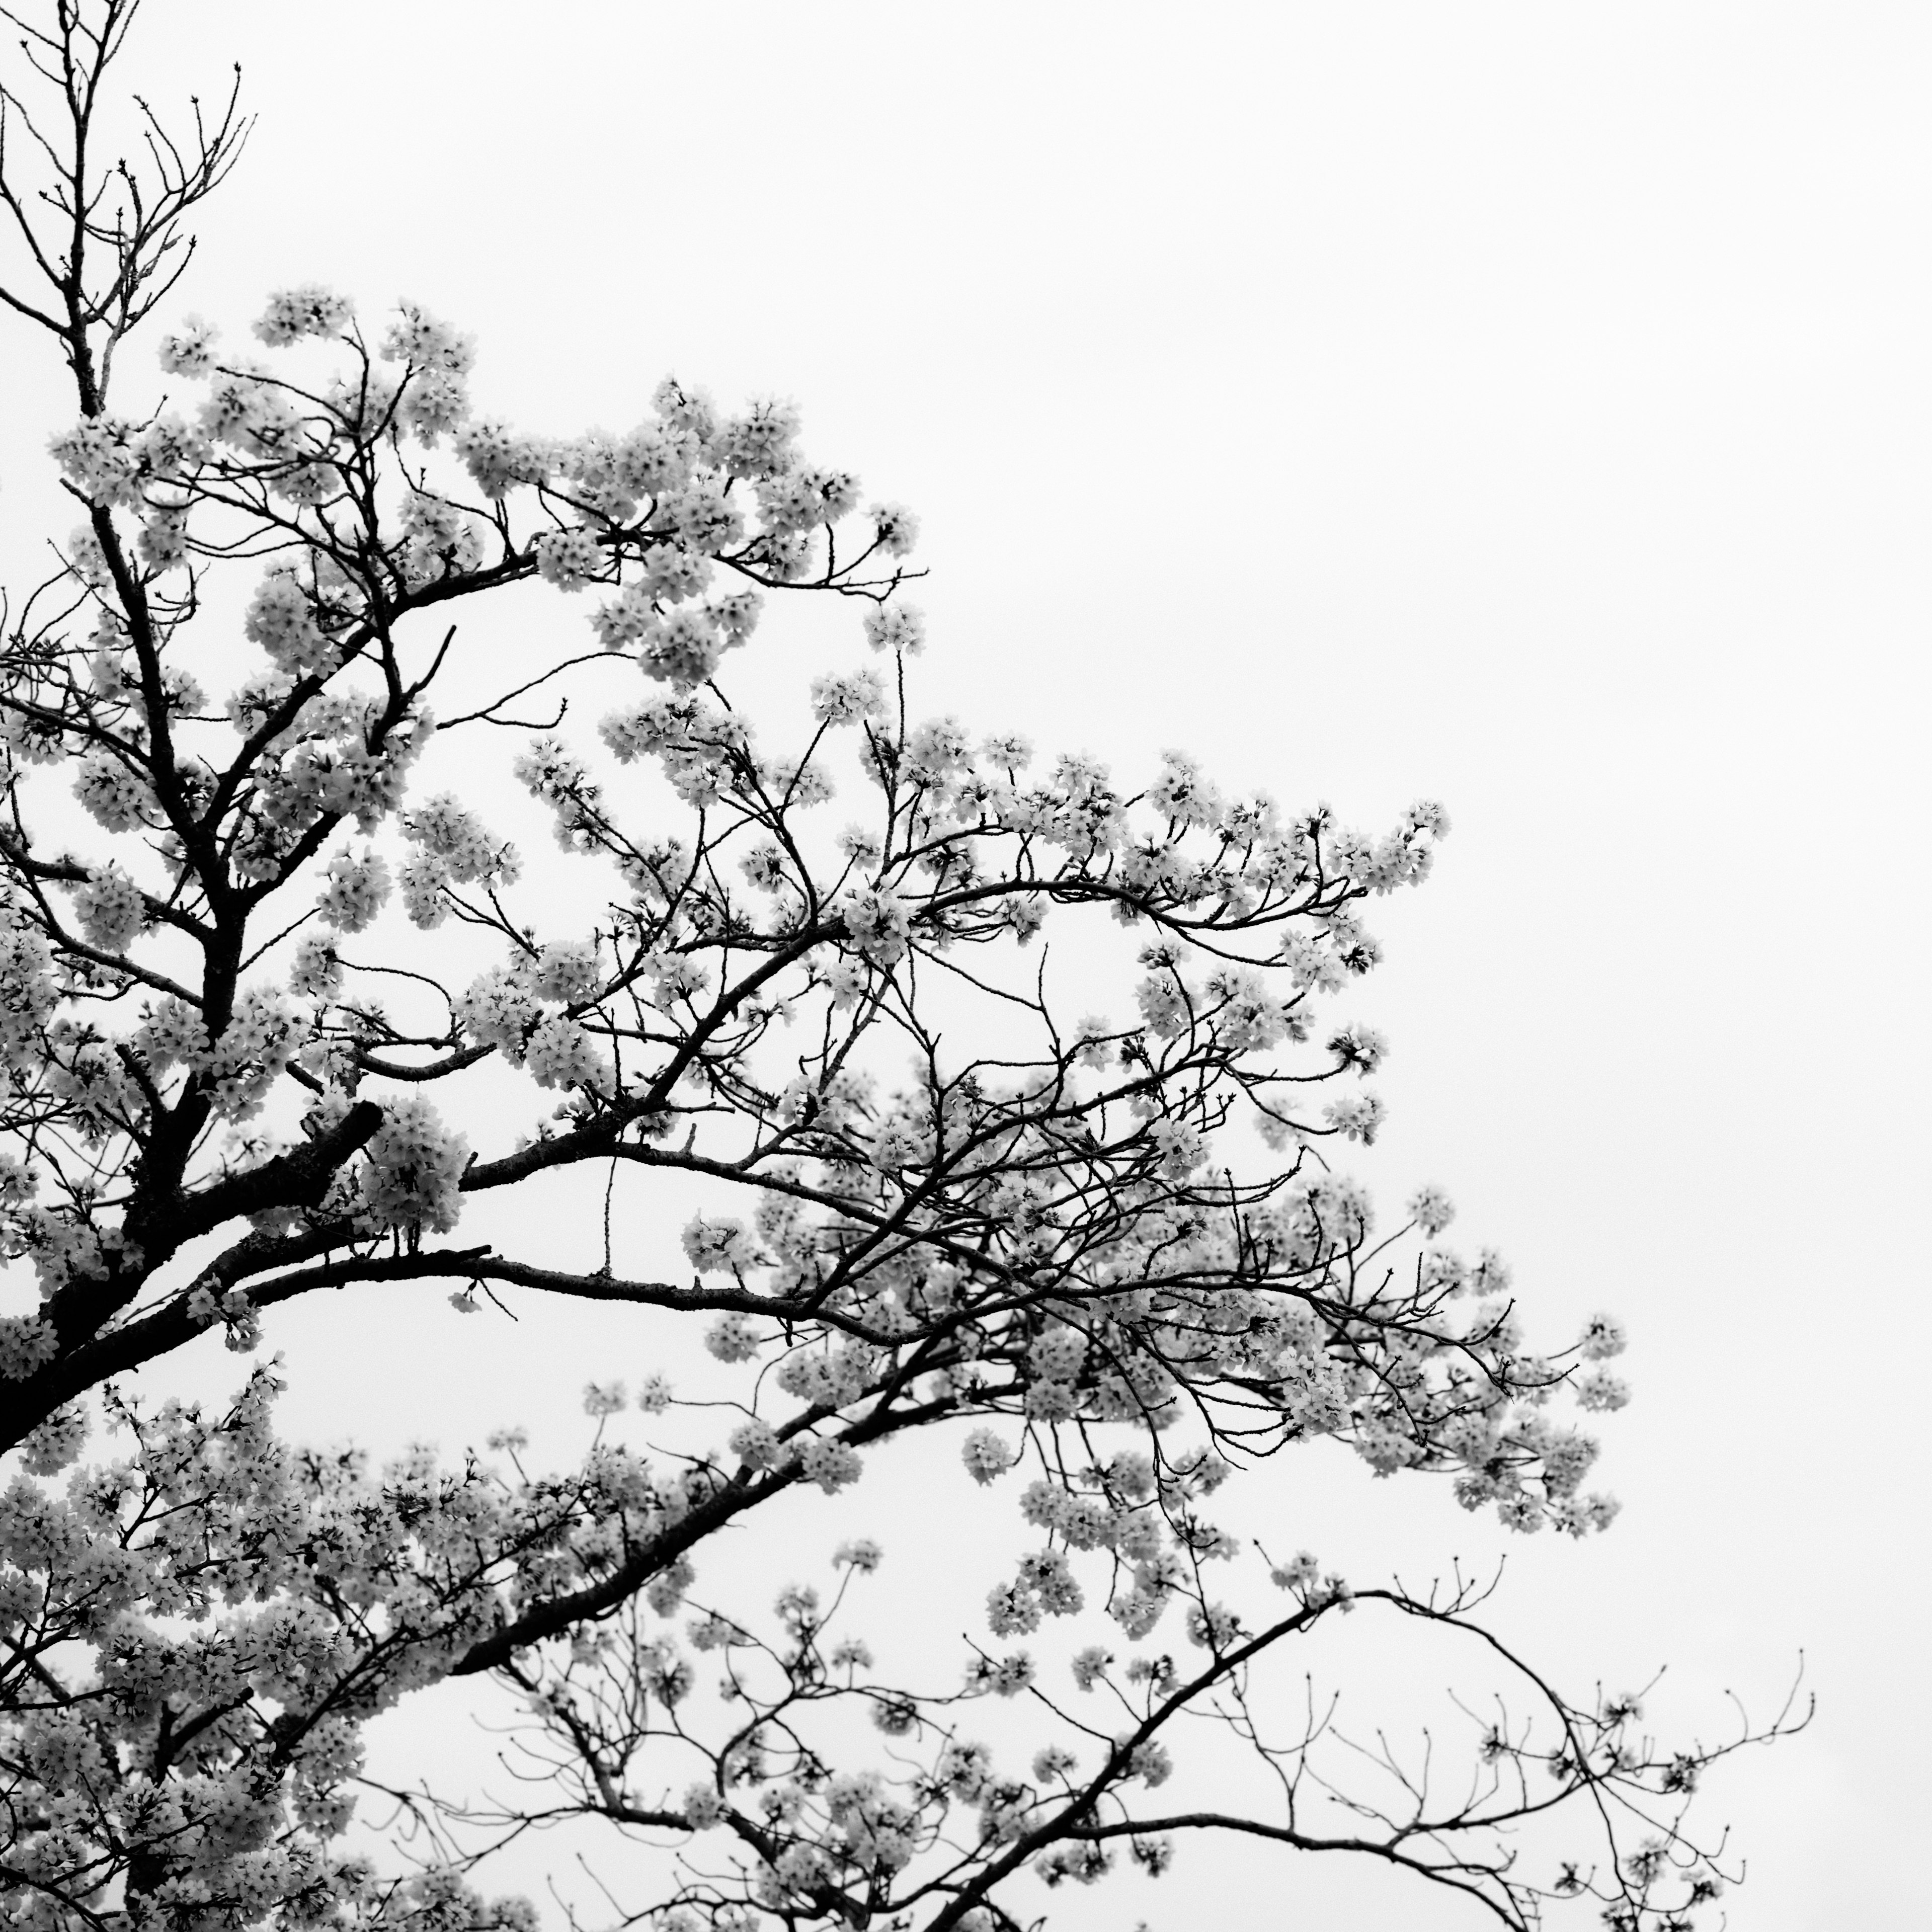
{"x": 282, "y": 1010}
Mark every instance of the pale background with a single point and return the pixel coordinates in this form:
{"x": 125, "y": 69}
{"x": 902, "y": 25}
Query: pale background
{"x": 1521, "y": 405}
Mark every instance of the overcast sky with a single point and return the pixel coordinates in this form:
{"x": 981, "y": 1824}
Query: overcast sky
{"x": 1525, "y": 405}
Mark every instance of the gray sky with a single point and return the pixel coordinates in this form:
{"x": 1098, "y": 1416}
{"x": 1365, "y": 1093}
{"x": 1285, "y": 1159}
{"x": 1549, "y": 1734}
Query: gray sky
{"x": 1519, "y": 405}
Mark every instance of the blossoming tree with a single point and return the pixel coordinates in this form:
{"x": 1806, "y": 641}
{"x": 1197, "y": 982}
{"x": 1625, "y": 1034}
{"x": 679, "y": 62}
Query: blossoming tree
{"x": 279, "y": 1011}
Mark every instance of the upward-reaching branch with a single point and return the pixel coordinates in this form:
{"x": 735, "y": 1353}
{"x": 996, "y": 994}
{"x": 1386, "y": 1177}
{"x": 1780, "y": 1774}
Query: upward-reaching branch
{"x": 113, "y": 242}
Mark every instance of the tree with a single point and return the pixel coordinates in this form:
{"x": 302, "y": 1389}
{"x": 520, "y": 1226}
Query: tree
{"x": 280, "y": 1010}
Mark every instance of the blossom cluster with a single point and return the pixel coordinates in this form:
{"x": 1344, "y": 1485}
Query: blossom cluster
{"x": 219, "y": 1615}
